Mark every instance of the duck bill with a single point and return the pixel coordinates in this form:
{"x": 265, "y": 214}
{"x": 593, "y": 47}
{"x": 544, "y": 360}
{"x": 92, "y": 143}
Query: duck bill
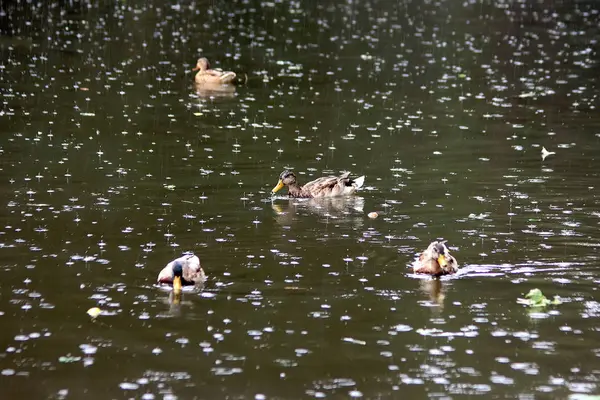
{"x": 278, "y": 187}
{"x": 177, "y": 285}
{"x": 442, "y": 261}
{"x": 196, "y": 68}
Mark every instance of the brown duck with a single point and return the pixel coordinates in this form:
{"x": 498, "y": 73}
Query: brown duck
{"x": 207, "y": 75}
{"x": 327, "y": 186}
{"x": 436, "y": 261}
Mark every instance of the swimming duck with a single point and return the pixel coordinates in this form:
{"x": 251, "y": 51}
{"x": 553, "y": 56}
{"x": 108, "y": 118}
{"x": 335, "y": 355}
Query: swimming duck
{"x": 327, "y": 186}
{"x": 183, "y": 271}
{"x": 207, "y": 75}
{"x": 436, "y": 261}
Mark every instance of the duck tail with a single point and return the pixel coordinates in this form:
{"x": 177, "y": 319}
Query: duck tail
{"x": 359, "y": 182}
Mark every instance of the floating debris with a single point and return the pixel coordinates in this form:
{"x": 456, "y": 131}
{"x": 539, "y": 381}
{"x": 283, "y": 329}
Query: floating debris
{"x": 527, "y": 94}
{"x": 355, "y": 341}
{"x": 546, "y": 153}
{"x": 94, "y": 312}
{"x": 68, "y": 359}
{"x": 535, "y": 298}
{"x": 372, "y": 215}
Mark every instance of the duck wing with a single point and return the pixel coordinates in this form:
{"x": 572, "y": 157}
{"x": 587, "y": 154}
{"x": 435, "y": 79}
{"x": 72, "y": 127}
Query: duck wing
{"x": 330, "y": 186}
{"x": 192, "y": 270}
{"x": 223, "y": 76}
{"x": 227, "y": 77}
{"x": 166, "y": 274}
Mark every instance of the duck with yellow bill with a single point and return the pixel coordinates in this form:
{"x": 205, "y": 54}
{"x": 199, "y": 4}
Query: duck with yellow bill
{"x": 183, "y": 271}
{"x": 436, "y": 260}
{"x": 327, "y": 186}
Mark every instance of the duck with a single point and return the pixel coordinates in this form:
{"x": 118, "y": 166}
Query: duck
{"x": 183, "y": 271}
{"x": 326, "y": 186}
{"x": 436, "y": 261}
{"x": 205, "y": 75}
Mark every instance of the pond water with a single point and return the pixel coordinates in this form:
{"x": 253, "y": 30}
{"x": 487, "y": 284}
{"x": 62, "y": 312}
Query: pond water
{"x": 113, "y": 164}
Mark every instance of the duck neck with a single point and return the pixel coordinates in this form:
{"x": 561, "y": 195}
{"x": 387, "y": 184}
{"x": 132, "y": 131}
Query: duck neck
{"x": 295, "y": 190}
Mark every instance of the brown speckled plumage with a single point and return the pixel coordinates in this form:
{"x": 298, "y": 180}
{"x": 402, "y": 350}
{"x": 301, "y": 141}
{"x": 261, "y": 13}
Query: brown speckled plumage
{"x": 429, "y": 261}
{"x": 205, "y": 75}
{"x": 327, "y": 186}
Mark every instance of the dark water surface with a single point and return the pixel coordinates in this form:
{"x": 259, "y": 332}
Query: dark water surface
{"x": 113, "y": 164}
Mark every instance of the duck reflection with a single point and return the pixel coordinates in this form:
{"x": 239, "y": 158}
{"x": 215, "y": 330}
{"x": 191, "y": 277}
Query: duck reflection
{"x": 210, "y": 90}
{"x": 434, "y": 290}
{"x": 176, "y": 301}
{"x": 346, "y": 209}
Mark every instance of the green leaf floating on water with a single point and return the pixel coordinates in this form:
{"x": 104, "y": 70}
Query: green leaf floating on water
{"x": 535, "y": 298}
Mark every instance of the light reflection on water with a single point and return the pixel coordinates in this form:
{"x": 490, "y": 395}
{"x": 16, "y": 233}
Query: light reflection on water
{"x": 115, "y": 163}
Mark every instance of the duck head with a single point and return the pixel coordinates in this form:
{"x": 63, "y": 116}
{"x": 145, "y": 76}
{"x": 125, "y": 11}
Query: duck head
{"x": 177, "y": 276}
{"x": 439, "y": 252}
{"x": 201, "y": 64}
{"x": 286, "y": 178}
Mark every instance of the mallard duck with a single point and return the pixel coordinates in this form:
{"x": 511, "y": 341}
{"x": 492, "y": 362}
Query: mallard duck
{"x": 184, "y": 271}
{"x": 436, "y": 261}
{"x": 327, "y": 186}
{"x": 207, "y": 75}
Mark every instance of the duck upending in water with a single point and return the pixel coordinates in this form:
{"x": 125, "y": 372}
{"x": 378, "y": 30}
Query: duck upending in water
{"x": 184, "y": 271}
{"x": 327, "y": 186}
{"x": 207, "y": 75}
{"x": 436, "y": 261}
